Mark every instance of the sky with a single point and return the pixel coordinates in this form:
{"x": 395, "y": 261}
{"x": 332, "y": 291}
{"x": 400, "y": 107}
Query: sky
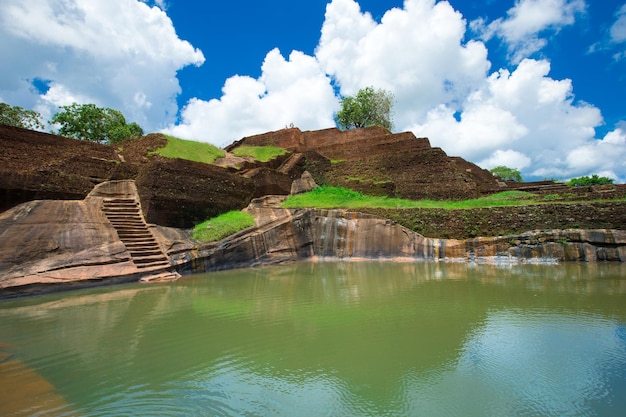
{"x": 536, "y": 85}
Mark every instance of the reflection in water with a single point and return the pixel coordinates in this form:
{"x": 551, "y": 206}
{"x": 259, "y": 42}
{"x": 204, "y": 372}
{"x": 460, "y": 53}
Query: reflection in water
{"x": 368, "y": 338}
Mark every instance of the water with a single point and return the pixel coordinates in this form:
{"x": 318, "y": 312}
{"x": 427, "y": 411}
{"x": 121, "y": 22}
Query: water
{"x": 330, "y": 339}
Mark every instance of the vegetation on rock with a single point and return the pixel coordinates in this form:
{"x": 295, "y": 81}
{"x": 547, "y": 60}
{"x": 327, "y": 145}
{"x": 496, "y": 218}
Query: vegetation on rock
{"x": 507, "y": 174}
{"x": 96, "y": 124}
{"x": 337, "y": 197}
{"x": 20, "y": 117}
{"x": 369, "y": 107}
{"x": 222, "y": 226}
{"x": 190, "y": 150}
{"x": 260, "y": 153}
{"x": 593, "y": 180}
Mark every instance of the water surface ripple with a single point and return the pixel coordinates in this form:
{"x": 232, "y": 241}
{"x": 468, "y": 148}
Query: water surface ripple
{"x": 326, "y": 339}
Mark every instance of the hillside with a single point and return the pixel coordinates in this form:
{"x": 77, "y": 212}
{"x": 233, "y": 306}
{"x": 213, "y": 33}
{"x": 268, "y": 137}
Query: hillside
{"x": 181, "y": 193}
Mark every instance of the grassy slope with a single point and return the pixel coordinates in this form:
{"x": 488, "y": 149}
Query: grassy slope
{"x": 190, "y": 150}
{"x": 335, "y": 197}
{"x": 223, "y": 225}
{"x": 260, "y": 153}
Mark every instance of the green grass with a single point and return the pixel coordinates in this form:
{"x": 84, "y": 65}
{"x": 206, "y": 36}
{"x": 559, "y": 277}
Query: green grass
{"x": 336, "y": 197}
{"x": 223, "y": 225}
{"x": 260, "y": 153}
{"x": 190, "y": 150}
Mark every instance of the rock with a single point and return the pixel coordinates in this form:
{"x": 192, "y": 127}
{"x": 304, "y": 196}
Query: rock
{"x": 283, "y": 235}
{"x": 175, "y": 192}
{"x": 375, "y": 161}
{"x": 52, "y": 244}
{"x": 303, "y": 184}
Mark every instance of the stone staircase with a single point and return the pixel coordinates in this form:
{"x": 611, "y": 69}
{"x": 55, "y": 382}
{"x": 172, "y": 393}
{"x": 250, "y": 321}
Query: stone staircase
{"x": 126, "y": 217}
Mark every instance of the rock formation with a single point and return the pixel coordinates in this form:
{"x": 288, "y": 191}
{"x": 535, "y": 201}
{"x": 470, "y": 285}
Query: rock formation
{"x": 375, "y": 161}
{"x": 174, "y": 192}
{"x": 282, "y": 235}
{"x": 76, "y": 213}
{"x": 47, "y": 245}
{"x": 92, "y": 241}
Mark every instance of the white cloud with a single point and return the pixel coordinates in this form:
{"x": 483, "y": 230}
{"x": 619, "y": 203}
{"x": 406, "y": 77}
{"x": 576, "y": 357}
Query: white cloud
{"x": 508, "y": 158}
{"x": 618, "y": 29}
{"x": 117, "y": 53}
{"x": 520, "y": 117}
{"x": 288, "y": 91}
{"x": 416, "y": 52}
{"x": 527, "y": 113}
{"x": 527, "y": 20}
{"x": 605, "y": 157}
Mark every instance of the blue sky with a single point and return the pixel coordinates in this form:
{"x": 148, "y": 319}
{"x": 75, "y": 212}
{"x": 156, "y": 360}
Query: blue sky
{"x": 533, "y": 84}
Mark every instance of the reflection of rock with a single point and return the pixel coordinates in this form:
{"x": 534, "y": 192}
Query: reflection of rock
{"x": 24, "y": 389}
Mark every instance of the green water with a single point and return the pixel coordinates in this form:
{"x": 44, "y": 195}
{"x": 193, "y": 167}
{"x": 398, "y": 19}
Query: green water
{"x": 326, "y": 339}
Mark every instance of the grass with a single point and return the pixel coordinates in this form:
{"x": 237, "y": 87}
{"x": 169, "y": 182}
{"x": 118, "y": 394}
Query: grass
{"x": 260, "y": 153}
{"x": 223, "y": 225}
{"x": 190, "y": 150}
{"x": 336, "y": 197}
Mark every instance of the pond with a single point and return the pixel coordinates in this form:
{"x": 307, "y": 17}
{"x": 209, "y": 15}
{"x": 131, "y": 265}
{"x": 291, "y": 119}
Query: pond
{"x": 325, "y": 339}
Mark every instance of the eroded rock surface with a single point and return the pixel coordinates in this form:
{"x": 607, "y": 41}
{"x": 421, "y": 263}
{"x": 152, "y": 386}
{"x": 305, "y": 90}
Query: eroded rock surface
{"x": 375, "y": 161}
{"x": 282, "y": 235}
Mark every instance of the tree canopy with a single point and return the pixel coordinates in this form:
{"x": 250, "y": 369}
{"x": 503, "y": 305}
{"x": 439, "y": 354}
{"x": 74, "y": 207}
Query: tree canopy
{"x": 19, "y": 117}
{"x": 93, "y": 123}
{"x": 590, "y": 180}
{"x": 507, "y": 174}
{"x": 369, "y": 107}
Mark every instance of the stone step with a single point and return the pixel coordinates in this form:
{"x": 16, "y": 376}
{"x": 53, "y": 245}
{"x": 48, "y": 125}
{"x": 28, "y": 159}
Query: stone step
{"x": 149, "y": 258}
{"x": 154, "y": 264}
{"x": 133, "y": 229}
{"x": 128, "y": 225}
{"x": 120, "y": 200}
{"x": 160, "y": 277}
{"x": 140, "y": 246}
{"x": 137, "y": 253}
{"x": 118, "y": 210}
{"x": 134, "y": 232}
{"x": 121, "y": 204}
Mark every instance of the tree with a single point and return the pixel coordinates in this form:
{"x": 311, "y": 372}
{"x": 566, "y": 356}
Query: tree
{"x": 17, "y": 116}
{"x": 506, "y": 173}
{"x": 593, "y": 180}
{"x": 96, "y": 124}
{"x": 369, "y": 107}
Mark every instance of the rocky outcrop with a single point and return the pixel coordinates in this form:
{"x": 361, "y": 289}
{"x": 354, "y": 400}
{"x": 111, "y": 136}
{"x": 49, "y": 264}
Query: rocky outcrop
{"x": 174, "y": 192}
{"x": 50, "y": 245}
{"x": 45, "y": 243}
{"x": 375, "y": 161}
{"x": 282, "y": 235}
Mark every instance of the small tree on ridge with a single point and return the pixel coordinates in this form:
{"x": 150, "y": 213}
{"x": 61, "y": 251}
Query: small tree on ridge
{"x": 369, "y": 107}
{"x": 95, "y": 124}
{"x": 20, "y": 117}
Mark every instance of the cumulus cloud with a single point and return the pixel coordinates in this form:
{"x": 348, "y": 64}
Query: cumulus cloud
{"x": 526, "y": 21}
{"x": 618, "y": 29}
{"x": 294, "y": 91}
{"x": 115, "y": 53}
{"x": 606, "y": 157}
{"x": 416, "y": 52}
{"x": 522, "y": 119}
{"x": 518, "y": 117}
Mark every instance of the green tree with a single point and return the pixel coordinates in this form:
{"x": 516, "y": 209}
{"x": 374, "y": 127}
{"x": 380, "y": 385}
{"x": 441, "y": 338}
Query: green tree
{"x": 369, "y": 107}
{"x": 17, "y": 116}
{"x": 93, "y": 123}
{"x": 593, "y": 180}
{"x": 506, "y": 173}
